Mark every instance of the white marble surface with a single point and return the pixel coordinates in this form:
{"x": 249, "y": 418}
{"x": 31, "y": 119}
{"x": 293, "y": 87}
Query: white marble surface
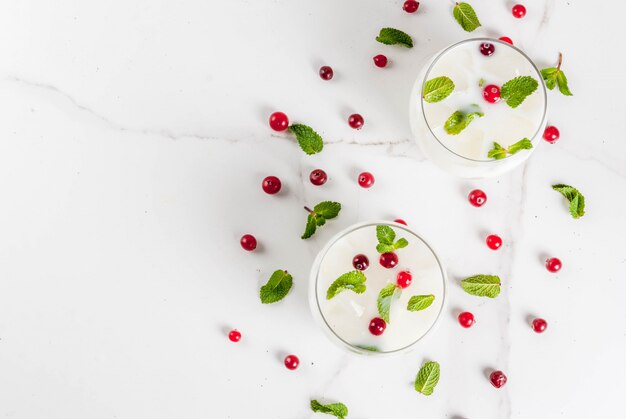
{"x": 133, "y": 140}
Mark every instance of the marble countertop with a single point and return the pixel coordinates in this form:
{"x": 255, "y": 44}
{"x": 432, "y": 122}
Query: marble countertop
{"x": 132, "y": 146}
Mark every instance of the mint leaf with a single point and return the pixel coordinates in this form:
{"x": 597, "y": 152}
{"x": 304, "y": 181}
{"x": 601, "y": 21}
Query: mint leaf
{"x": 311, "y": 226}
{"x": 385, "y": 234}
{"x": 391, "y": 36}
{"x": 277, "y": 287}
{"x": 561, "y": 81}
{"x": 420, "y": 302}
{"x": 516, "y": 90}
{"x": 466, "y": 16}
{"x": 353, "y": 281}
{"x": 386, "y": 295}
{"x": 338, "y": 410}
{"x": 400, "y": 243}
{"x": 497, "y": 152}
{"x": 458, "y": 121}
{"x": 310, "y": 141}
{"x": 481, "y": 82}
{"x": 482, "y": 285}
{"x": 368, "y": 348}
{"x": 575, "y": 198}
{"x": 318, "y": 215}
{"x": 327, "y": 209}
{"x": 437, "y": 89}
{"x": 385, "y": 248}
{"x": 554, "y": 76}
{"x": 427, "y": 378}
{"x": 549, "y": 76}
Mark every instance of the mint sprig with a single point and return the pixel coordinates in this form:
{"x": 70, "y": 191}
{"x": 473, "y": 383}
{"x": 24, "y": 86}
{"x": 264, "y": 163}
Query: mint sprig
{"x": 516, "y": 90}
{"x": 339, "y": 410}
{"x": 427, "y": 378}
{"x": 499, "y": 152}
{"x": 277, "y": 287}
{"x": 482, "y": 285}
{"x": 385, "y": 297}
{"x": 466, "y": 16}
{"x": 310, "y": 141}
{"x": 554, "y": 76}
{"x": 420, "y": 302}
{"x": 353, "y": 281}
{"x": 459, "y": 120}
{"x": 318, "y": 215}
{"x": 575, "y": 198}
{"x": 392, "y": 36}
{"x": 387, "y": 240}
{"x": 437, "y": 89}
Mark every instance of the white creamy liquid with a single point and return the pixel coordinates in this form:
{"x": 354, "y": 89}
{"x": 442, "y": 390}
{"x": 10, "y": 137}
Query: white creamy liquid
{"x": 348, "y": 314}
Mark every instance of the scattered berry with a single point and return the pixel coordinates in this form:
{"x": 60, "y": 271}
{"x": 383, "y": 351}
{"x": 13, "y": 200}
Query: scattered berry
{"x": 366, "y": 180}
{"x": 399, "y": 221}
{"x": 388, "y": 260}
{"x": 377, "y": 326}
{"x": 540, "y": 325}
{"x": 404, "y": 278}
{"x": 494, "y": 241}
{"x": 411, "y": 6}
{"x": 466, "y": 319}
{"x": 326, "y": 72}
{"x": 498, "y": 379}
{"x": 519, "y": 11}
{"x": 477, "y": 198}
{"x": 234, "y": 336}
{"x": 360, "y": 262}
{"x": 279, "y": 121}
{"x": 487, "y": 48}
{"x": 355, "y": 121}
{"x": 318, "y": 177}
{"x": 551, "y": 134}
{"x": 553, "y": 265}
{"x": 380, "y": 61}
{"x": 271, "y": 185}
{"x": 506, "y": 39}
{"x": 248, "y": 242}
{"x": 292, "y": 362}
{"x": 491, "y": 93}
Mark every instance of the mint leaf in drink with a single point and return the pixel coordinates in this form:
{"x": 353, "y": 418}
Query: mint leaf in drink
{"x": 402, "y": 242}
{"x": 437, "y": 89}
{"x": 516, "y": 90}
{"x": 498, "y": 152}
{"x": 310, "y": 141}
{"x": 482, "y": 285}
{"x": 387, "y": 240}
{"x": 391, "y": 36}
{"x": 554, "y": 76}
{"x": 368, "y": 348}
{"x": 466, "y": 16}
{"x": 339, "y": 410}
{"x": 575, "y": 198}
{"x": 420, "y": 302}
{"x": 276, "y": 287}
{"x": 323, "y": 211}
{"x": 459, "y": 120}
{"x": 385, "y": 248}
{"x": 353, "y": 281}
{"x": 481, "y": 82}
{"x": 385, "y": 297}
{"x": 427, "y": 378}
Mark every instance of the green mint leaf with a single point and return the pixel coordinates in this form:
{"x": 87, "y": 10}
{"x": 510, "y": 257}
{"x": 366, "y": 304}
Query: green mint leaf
{"x": 277, "y": 287}
{"x": 385, "y": 234}
{"x": 385, "y": 248}
{"x": 310, "y": 141}
{"x": 391, "y": 36}
{"x": 549, "y": 76}
{"x": 353, "y": 281}
{"x": 458, "y": 121}
{"x": 497, "y": 152}
{"x": 427, "y": 378}
{"x": 420, "y": 302}
{"x": 523, "y": 144}
{"x": 437, "y": 89}
{"x": 327, "y": 209}
{"x": 561, "y": 81}
{"x": 554, "y": 76}
{"x": 338, "y": 410}
{"x": 386, "y": 295}
{"x": 319, "y": 220}
{"x": 401, "y": 243}
{"x": 311, "y": 226}
{"x": 466, "y": 16}
{"x": 516, "y": 90}
{"x": 482, "y": 285}
{"x": 368, "y": 348}
{"x": 481, "y": 82}
{"x": 317, "y": 217}
{"x": 575, "y": 198}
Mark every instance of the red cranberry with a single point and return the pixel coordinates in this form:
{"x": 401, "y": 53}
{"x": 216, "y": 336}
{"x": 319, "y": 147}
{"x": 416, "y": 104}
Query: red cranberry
{"x": 360, "y": 262}
{"x": 380, "y": 61}
{"x": 271, "y": 185}
{"x": 248, "y": 242}
{"x": 388, "y": 260}
{"x": 540, "y": 325}
{"x": 498, "y": 379}
{"x": 487, "y": 48}
{"x": 399, "y": 221}
{"x": 494, "y": 241}
{"x": 377, "y": 326}
{"x": 553, "y": 265}
{"x": 466, "y": 319}
{"x": 411, "y": 6}
{"x": 519, "y": 11}
{"x": 477, "y": 198}
{"x": 366, "y": 180}
{"x": 279, "y": 121}
{"x": 234, "y": 336}
{"x": 292, "y": 362}
{"x": 318, "y": 177}
{"x": 506, "y": 39}
{"x": 356, "y": 121}
{"x": 551, "y": 134}
{"x": 404, "y": 278}
{"x": 326, "y": 72}
{"x": 491, "y": 93}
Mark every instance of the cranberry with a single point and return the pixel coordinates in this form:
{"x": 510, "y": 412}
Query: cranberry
{"x": 366, "y": 180}
{"x": 292, "y": 362}
{"x": 279, "y": 121}
{"x": 234, "y": 336}
{"x": 326, "y": 72}
{"x": 318, "y": 177}
{"x": 380, "y": 61}
{"x": 498, "y": 379}
{"x": 355, "y": 121}
{"x": 553, "y": 265}
{"x": 494, "y": 241}
{"x": 360, "y": 262}
{"x": 487, "y": 49}
{"x": 411, "y": 6}
{"x": 389, "y": 260}
{"x": 491, "y": 93}
{"x": 506, "y": 39}
{"x": 551, "y": 134}
{"x": 399, "y": 221}
{"x": 477, "y": 198}
{"x": 466, "y": 319}
{"x": 377, "y": 326}
{"x": 404, "y": 278}
{"x": 540, "y": 325}
{"x": 248, "y": 242}
{"x": 519, "y": 11}
{"x": 271, "y": 185}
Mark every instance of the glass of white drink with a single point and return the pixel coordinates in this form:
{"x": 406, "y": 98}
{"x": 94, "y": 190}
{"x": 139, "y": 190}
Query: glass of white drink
{"x": 478, "y": 108}
{"x": 377, "y": 288}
